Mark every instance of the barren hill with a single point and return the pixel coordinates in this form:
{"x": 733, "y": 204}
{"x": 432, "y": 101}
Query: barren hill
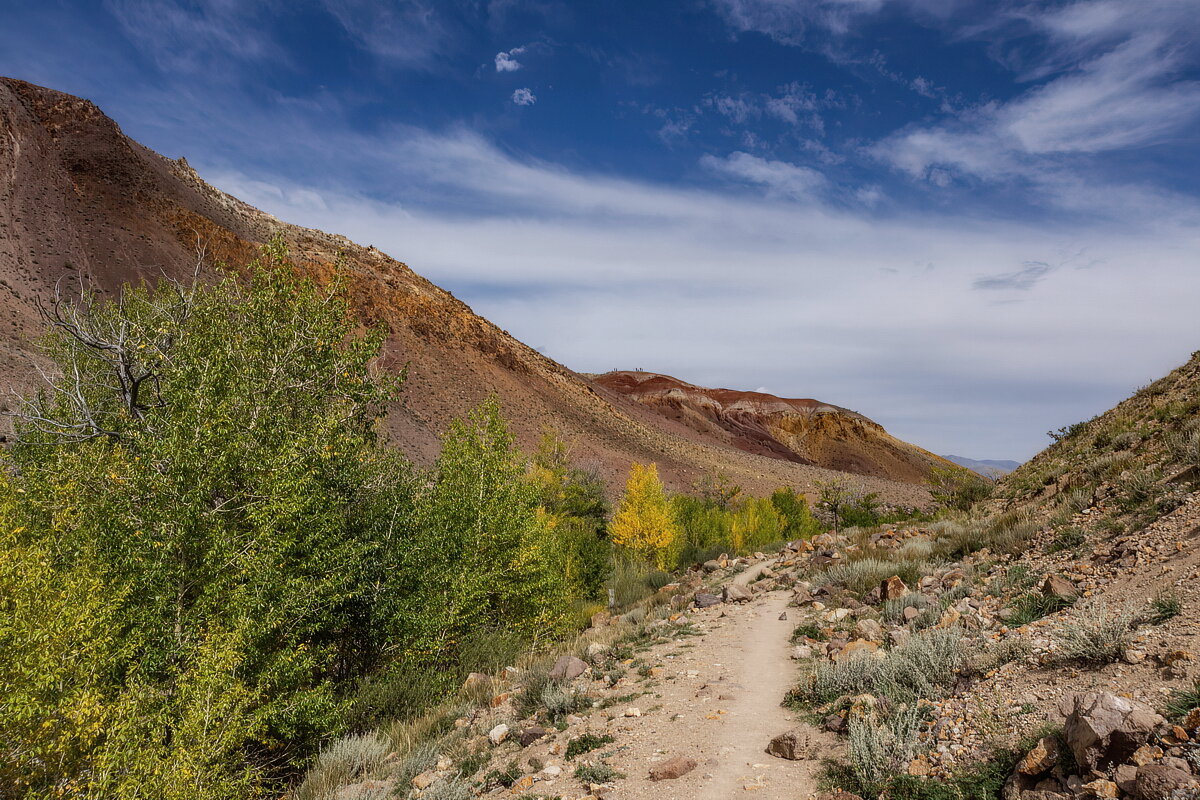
{"x": 81, "y": 201}
{"x": 803, "y": 431}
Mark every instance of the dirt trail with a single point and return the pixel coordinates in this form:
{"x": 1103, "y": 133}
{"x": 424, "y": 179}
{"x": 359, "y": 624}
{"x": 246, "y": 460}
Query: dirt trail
{"x": 719, "y": 703}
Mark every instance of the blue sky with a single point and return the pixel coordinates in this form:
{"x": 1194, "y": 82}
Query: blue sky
{"x": 971, "y": 221}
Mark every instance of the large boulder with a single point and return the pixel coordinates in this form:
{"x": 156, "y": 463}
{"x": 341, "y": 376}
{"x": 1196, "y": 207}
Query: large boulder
{"x": 1103, "y": 729}
{"x": 568, "y": 668}
{"x": 734, "y": 593}
{"x": 1161, "y": 782}
{"x": 705, "y": 599}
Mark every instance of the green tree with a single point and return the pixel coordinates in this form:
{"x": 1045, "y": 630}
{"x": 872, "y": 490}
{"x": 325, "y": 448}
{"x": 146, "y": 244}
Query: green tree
{"x": 799, "y": 522}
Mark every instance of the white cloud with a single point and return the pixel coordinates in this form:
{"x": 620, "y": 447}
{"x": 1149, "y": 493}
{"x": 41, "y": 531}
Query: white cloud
{"x": 524, "y": 97}
{"x": 506, "y": 60}
{"x": 780, "y": 177}
{"x": 877, "y": 312}
{"x": 1114, "y": 78}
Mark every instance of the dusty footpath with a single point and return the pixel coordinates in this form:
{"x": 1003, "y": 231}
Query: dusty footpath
{"x": 715, "y": 698}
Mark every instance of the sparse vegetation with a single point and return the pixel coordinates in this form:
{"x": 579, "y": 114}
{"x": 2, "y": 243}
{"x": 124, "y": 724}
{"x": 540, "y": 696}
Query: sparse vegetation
{"x": 881, "y": 748}
{"x": 1033, "y": 606}
{"x": 1067, "y": 538}
{"x": 597, "y": 773}
{"x": 1096, "y": 634}
{"x": 586, "y": 743}
{"x": 1184, "y": 700}
{"x": 1166, "y": 605}
{"x": 920, "y": 667}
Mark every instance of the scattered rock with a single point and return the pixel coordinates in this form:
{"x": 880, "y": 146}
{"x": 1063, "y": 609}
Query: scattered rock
{"x": 856, "y": 646}
{"x": 868, "y": 629}
{"x": 1054, "y": 586}
{"x": 893, "y": 588}
{"x": 531, "y": 734}
{"x": 1101, "y": 788}
{"x": 477, "y": 680}
{"x": 1041, "y": 759}
{"x": 498, "y": 734}
{"x": 568, "y": 668}
{"x": 633, "y": 711}
{"x": 704, "y": 600}
{"x": 733, "y": 593}
{"x": 712, "y": 566}
{"x": 792, "y": 745}
{"x": 783, "y": 615}
{"x": 801, "y": 652}
{"x": 596, "y": 651}
{"x": 672, "y": 768}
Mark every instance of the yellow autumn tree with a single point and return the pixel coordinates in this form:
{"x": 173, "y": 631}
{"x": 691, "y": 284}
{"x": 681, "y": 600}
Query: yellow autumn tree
{"x": 645, "y": 522}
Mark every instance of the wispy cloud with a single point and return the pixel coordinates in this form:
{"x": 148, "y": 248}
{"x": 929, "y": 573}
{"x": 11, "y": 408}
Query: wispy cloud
{"x": 778, "y": 177}
{"x": 1022, "y": 280}
{"x": 524, "y": 97}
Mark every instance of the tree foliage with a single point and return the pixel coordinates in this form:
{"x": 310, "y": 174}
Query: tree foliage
{"x": 645, "y": 522}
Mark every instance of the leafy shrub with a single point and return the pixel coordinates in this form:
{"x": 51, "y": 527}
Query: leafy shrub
{"x": 958, "y": 488}
{"x": 810, "y": 631}
{"x": 1097, "y": 635}
{"x": 586, "y": 743}
{"x": 597, "y": 773}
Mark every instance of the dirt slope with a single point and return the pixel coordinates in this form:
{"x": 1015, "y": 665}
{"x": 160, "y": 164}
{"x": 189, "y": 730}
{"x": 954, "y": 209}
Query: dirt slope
{"x": 803, "y": 431}
{"x": 80, "y": 201}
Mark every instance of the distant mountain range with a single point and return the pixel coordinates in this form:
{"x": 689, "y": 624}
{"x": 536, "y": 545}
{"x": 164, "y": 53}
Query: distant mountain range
{"x": 987, "y": 467}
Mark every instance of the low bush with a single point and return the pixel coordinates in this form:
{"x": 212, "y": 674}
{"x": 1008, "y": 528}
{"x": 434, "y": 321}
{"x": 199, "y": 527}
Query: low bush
{"x": 893, "y": 610}
{"x": 586, "y": 743}
{"x": 597, "y": 773}
{"x": 1096, "y": 635}
{"x": 920, "y": 667}
{"x": 1066, "y": 539}
{"x": 864, "y": 574}
{"x": 1165, "y": 605}
{"x": 1033, "y": 606}
{"x": 881, "y": 748}
{"x": 343, "y": 761}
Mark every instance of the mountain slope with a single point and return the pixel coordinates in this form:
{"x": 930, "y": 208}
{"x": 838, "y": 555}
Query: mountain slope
{"x": 1131, "y": 464}
{"x": 803, "y": 431}
{"x": 82, "y": 203}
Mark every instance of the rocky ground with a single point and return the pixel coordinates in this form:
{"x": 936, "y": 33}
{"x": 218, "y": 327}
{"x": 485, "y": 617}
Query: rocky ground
{"x": 685, "y": 698}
